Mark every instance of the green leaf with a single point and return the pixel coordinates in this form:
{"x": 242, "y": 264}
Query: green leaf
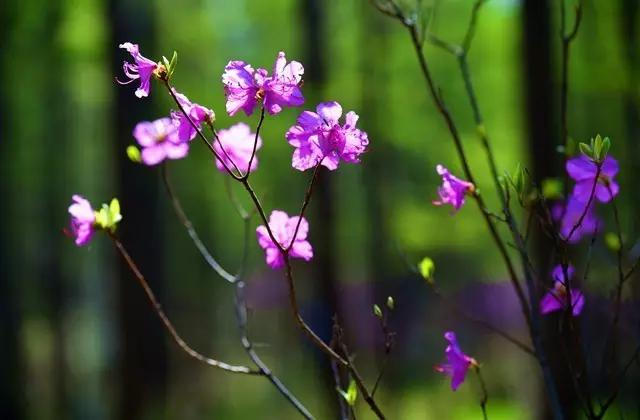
{"x": 427, "y": 268}
{"x": 606, "y": 145}
{"x": 133, "y": 153}
{"x": 352, "y": 393}
{"x": 172, "y": 64}
{"x": 552, "y": 188}
{"x": 377, "y": 311}
{"x": 586, "y": 150}
{"x": 612, "y": 241}
{"x": 390, "y": 303}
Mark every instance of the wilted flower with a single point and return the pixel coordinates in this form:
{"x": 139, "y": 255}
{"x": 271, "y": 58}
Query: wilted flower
{"x": 197, "y": 113}
{"x": 453, "y": 189}
{"x": 283, "y": 228}
{"x": 457, "y": 363}
{"x": 320, "y": 137}
{"x": 556, "y": 299}
{"x": 237, "y": 142}
{"x": 142, "y": 69}
{"x": 583, "y": 170}
{"x": 159, "y": 141}
{"x": 244, "y": 87}
{"x": 82, "y": 220}
{"x": 568, "y": 218}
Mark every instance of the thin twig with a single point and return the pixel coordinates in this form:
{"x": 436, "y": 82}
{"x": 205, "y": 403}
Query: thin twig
{"x": 167, "y": 323}
{"x": 255, "y": 143}
{"x": 485, "y": 395}
{"x": 198, "y": 131}
{"x": 202, "y": 248}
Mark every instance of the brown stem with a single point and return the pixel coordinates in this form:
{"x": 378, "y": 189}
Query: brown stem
{"x": 485, "y": 395}
{"x": 195, "y": 127}
{"x": 167, "y": 323}
{"x": 255, "y": 143}
{"x": 305, "y": 203}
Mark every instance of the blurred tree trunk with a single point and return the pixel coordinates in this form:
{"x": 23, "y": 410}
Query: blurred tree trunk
{"x": 541, "y": 95}
{"x": 374, "y": 72}
{"x": 323, "y": 223}
{"x": 629, "y": 18}
{"x": 11, "y": 375}
{"x": 143, "y": 359}
{"x": 51, "y": 240}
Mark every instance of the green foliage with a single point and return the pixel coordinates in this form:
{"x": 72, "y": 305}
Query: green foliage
{"x": 351, "y": 394}
{"x": 109, "y": 215}
{"x": 427, "y": 269}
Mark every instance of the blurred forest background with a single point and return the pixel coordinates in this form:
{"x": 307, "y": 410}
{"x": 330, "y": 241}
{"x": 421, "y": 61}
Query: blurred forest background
{"x": 78, "y": 338}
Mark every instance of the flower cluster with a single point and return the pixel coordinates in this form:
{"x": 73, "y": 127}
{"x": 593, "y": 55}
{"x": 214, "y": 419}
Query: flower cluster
{"x": 319, "y": 137}
{"x": 584, "y": 171}
{"x": 244, "y": 87}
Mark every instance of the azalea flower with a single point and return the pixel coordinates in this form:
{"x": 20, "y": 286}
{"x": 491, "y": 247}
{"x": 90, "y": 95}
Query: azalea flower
{"x": 556, "y": 299}
{"x": 319, "y": 137}
{"x": 457, "y": 363}
{"x": 142, "y": 69}
{"x": 453, "y": 189}
{"x": 197, "y": 113}
{"x": 159, "y": 141}
{"x": 569, "y": 216}
{"x": 283, "y": 228}
{"x": 583, "y": 171}
{"x": 244, "y": 87}
{"x": 82, "y": 220}
{"x": 237, "y": 142}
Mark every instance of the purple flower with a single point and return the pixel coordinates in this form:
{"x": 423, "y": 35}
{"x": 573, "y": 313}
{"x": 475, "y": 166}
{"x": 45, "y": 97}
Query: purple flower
{"x": 244, "y": 86}
{"x": 556, "y": 299}
{"x": 159, "y": 141}
{"x": 457, "y": 362}
{"x": 583, "y": 171}
{"x": 197, "y": 113}
{"x": 320, "y": 137}
{"x": 237, "y": 142}
{"x": 569, "y": 217}
{"x": 82, "y": 220}
{"x": 283, "y": 88}
{"x": 142, "y": 69}
{"x": 283, "y": 228}
{"x": 453, "y": 189}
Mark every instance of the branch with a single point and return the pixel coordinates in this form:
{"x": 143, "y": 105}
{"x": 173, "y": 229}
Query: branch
{"x": 611, "y": 399}
{"x": 177, "y": 207}
{"x": 485, "y": 396}
{"x": 195, "y": 127}
{"x": 255, "y": 143}
{"x": 167, "y": 323}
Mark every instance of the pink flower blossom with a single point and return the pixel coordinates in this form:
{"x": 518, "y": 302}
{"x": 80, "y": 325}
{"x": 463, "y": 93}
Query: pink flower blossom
{"x": 142, "y": 69}
{"x": 237, "y": 142}
{"x": 197, "y": 113}
{"x": 244, "y": 86}
{"x": 159, "y": 141}
{"x": 82, "y": 220}
{"x": 556, "y": 299}
{"x": 583, "y": 171}
{"x": 283, "y": 228}
{"x": 318, "y": 136}
{"x": 457, "y": 363}
{"x": 453, "y": 189}
{"x": 569, "y": 217}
